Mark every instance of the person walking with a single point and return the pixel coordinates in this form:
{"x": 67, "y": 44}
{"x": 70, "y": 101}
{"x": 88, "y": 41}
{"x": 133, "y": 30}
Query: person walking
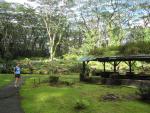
{"x": 17, "y": 72}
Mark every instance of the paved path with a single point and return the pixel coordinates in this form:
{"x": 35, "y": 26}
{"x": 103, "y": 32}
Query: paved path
{"x": 9, "y": 100}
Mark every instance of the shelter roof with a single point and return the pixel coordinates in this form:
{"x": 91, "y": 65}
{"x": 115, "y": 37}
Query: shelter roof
{"x": 142, "y": 57}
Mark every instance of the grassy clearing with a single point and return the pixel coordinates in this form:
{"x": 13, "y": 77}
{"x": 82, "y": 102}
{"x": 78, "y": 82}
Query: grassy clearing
{"x": 5, "y": 79}
{"x": 62, "y": 99}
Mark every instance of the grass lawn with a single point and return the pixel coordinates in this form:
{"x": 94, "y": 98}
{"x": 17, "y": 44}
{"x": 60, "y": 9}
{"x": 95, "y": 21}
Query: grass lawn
{"x": 5, "y": 79}
{"x": 63, "y": 99}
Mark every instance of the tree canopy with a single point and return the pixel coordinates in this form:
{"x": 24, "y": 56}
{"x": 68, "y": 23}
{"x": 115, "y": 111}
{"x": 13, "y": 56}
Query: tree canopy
{"x": 58, "y": 27}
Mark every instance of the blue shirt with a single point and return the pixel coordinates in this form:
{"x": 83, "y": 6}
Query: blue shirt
{"x": 17, "y": 70}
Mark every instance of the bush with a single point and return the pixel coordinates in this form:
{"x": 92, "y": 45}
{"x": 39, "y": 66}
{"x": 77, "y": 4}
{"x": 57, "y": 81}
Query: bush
{"x": 133, "y": 48}
{"x": 111, "y": 53}
{"x": 43, "y": 71}
{"x": 131, "y": 51}
{"x": 8, "y": 56}
{"x": 144, "y": 92}
{"x": 107, "y": 51}
{"x": 81, "y": 104}
{"x": 25, "y": 71}
{"x": 70, "y": 57}
{"x": 2, "y": 60}
{"x": 75, "y": 68}
{"x": 7, "y": 67}
{"x": 36, "y": 71}
{"x": 53, "y": 79}
{"x": 97, "y": 51}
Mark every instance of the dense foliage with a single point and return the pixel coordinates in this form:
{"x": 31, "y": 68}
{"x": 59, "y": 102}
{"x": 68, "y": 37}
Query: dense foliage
{"x": 70, "y": 29}
{"x": 144, "y": 92}
{"x": 58, "y": 27}
{"x": 132, "y": 48}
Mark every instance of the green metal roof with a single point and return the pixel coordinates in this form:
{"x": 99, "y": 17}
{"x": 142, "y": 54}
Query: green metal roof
{"x": 87, "y": 58}
{"x": 116, "y": 58}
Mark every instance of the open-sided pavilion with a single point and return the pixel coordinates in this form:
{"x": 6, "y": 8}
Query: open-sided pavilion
{"x": 114, "y": 60}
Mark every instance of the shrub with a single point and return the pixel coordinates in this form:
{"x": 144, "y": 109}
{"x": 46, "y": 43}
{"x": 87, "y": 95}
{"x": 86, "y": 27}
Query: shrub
{"x": 110, "y": 53}
{"x": 2, "y": 60}
{"x": 8, "y": 56}
{"x": 43, "y": 71}
{"x": 7, "y": 67}
{"x": 70, "y": 57}
{"x": 133, "y": 48}
{"x": 105, "y": 51}
{"x": 75, "y": 67}
{"x": 67, "y": 83}
{"x": 25, "y": 71}
{"x": 81, "y": 104}
{"x": 53, "y": 79}
{"x": 97, "y": 51}
{"x": 144, "y": 92}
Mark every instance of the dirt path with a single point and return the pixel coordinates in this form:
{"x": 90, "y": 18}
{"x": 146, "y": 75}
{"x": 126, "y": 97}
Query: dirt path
{"x": 9, "y": 100}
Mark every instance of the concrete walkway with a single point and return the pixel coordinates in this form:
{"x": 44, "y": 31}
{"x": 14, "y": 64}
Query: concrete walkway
{"x": 9, "y": 100}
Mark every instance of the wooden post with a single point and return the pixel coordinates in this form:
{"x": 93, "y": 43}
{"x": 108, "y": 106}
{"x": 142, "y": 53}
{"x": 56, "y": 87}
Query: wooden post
{"x": 130, "y": 66}
{"x": 82, "y": 74}
{"x": 115, "y": 64}
{"x": 104, "y": 67}
{"x": 83, "y": 67}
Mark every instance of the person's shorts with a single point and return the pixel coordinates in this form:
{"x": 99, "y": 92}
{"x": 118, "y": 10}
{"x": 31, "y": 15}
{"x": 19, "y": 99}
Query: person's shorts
{"x": 17, "y": 75}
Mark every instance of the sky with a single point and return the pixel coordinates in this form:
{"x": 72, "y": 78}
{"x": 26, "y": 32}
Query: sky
{"x": 33, "y": 4}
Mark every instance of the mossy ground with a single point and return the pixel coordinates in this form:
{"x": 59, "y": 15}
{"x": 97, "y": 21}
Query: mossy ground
{"x": 5, "y": 79}
{"x": 45, "y": 98}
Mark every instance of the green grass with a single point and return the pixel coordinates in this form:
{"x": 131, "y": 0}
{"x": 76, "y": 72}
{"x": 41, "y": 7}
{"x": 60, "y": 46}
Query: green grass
{"x": 5, "y": 79}
{"x": 62, "y": 99}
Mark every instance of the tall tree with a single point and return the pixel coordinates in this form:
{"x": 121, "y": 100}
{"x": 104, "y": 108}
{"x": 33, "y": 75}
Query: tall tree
{"x": 56, "y": 24}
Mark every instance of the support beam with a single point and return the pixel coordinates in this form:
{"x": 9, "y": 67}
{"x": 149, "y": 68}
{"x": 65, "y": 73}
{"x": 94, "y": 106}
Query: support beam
{"x": 104, "y": 66}
{"x": 83, "y": 67}
{"x": 82, "y": 75}
{"x": 130, "y": 66}
{"x": 115, "y": 64}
